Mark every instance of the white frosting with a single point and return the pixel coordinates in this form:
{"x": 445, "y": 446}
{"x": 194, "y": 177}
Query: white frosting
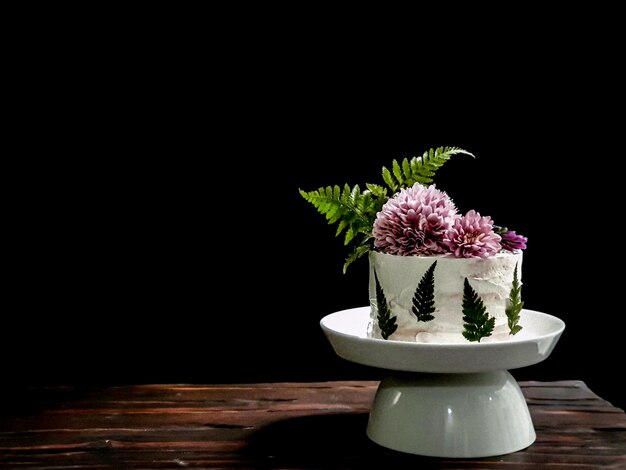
{"x": 491, "y": 278}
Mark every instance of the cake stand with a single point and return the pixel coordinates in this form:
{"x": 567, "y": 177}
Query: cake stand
{"x": 447, "y": 399}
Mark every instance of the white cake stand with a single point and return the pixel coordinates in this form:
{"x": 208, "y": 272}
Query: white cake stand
{"x": 447, "y": 400}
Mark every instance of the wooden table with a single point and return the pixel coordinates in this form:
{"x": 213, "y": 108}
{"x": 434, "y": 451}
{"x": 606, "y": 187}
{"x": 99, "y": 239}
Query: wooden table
{"x": 281, "y": 425}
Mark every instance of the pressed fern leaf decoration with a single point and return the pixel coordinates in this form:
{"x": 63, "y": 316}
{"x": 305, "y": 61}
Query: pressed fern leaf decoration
{"x": 418, "y": 169}
{"x": 477, "y": 322}
{"x": 514, "y": 305}
{"x": 386, "y": 322}
{"x": 424, "y": 297}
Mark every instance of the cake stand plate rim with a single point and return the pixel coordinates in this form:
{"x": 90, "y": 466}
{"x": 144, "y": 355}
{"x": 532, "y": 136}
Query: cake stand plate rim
{"x": 541, "y": 335}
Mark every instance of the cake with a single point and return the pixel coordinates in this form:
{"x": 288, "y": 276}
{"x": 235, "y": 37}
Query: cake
{"x": 399, "y": 276}
{"x": 436, "y": 275}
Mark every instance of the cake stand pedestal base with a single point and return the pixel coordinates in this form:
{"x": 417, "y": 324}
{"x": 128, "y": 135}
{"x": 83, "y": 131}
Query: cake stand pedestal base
{"x": 447, "y": 399}
{"x": 451, "y": 415}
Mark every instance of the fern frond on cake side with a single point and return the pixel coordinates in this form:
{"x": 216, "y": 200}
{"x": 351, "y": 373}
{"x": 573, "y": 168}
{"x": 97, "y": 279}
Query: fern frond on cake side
{"x": 419, "y": 169}
{"x": 386, "y": 322}
{"x": 514, "y": 305}
{"x": 424, "y": 297}
{"x": 477, "y": 324}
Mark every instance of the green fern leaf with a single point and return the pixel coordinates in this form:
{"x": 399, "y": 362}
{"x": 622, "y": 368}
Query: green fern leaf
{"x": 346, "y": 192}
{"x": 419, "y": 169}
{"x": 423, "y": 168}
{"x": 477, "y": 322}
{"x": 377, "y": 190}
{"x": 386, "y": 322}
{"x": 406, "y": 169}
{"x": 389, "y": 180}
{"x": 357, "y": 210}
{"x": 424, "y": 297}
{"x": 352, "y": 209}
{"x": 341, "y": 227}
{"x": 397, "y": 172}
{"x": 514, "y": 305}
{"x": 358, "y": 251}
{"x": 349, "y": 236}
{"x": 354, "y": 194}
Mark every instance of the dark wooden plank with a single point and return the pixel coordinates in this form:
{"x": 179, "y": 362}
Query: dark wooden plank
{"x": 287, "y": 425}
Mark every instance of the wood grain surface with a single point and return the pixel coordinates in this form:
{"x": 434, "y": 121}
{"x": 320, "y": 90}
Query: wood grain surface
{"x": 281, "y": 425}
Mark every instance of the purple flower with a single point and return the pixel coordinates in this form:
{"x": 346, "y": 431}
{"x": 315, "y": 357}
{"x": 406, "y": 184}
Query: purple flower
{"x": 414, "y": 222}
{"x": 511, "y": 241}
{"x": 472, "y": 236}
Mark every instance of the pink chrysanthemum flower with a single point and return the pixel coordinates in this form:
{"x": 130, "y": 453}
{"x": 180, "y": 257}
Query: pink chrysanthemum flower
{"x": 414, "y": 222}
{"x": 472, "y": 236}
{"x": 512, "y": 241}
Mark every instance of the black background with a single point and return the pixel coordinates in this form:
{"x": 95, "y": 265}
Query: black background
{"x": 157, "y": 233}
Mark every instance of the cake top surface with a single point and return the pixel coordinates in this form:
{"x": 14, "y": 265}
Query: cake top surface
{"x": 409, "y": 216}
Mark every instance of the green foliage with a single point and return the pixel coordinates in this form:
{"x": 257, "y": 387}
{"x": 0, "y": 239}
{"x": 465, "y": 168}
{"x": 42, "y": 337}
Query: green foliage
{"x": 386, "y": 322}
{"x": 424, "y": 297}
{"x": 418, "y": 169}
{"x": 358, "y": 251}
{"x": 514, "y": 305}
{"x": 477, "y": 322}
{"x": 377, "y": 190}
{"x": 354, "y": 212}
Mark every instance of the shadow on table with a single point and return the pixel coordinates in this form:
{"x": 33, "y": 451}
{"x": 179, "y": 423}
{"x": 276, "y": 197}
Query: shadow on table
{"x": 327, "y": 441}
